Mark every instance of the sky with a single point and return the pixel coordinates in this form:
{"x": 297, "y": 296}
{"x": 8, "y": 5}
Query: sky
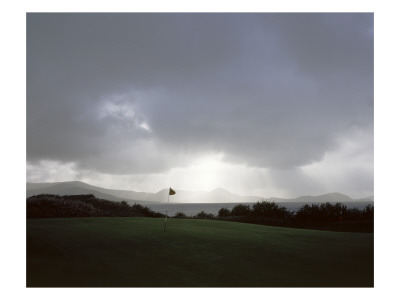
{"x": 265, "y": 104}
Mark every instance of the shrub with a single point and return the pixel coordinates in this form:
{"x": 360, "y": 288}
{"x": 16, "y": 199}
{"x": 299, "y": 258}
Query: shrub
{"x": 368, "y": 212}
{"x": 308, "y": 213}
{"x": 47, "y": 206}
{"x": 327, "y": 212}
{"x": 270, "y": 210}
{"x": 180, "y": 214}
{"x": 224, "y": 212}
{"x": 240, "y": 210}
{"x": 204, "y": 215}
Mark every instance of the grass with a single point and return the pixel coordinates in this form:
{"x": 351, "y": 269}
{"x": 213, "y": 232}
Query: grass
{"x": 135, "y": 252}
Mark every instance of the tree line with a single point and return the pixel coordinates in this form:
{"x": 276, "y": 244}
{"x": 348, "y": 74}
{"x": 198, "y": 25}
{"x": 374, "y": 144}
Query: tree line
{"x": 318, "y": 215}
{"x": 326, "y": 216}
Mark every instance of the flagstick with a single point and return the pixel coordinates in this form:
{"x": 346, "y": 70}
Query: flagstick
{"x": 165, "y": 222}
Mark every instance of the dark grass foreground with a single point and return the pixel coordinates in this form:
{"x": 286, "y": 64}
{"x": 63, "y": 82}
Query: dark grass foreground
{"x": 135, "y": 252}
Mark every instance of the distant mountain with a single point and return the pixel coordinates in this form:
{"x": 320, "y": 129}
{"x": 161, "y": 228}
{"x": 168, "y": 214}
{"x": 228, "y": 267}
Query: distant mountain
{"x": 218, "y": 195}
{"x": 78, "y": 188}
{"x": 179, "y": 197}
{"x": 330, "y": 197}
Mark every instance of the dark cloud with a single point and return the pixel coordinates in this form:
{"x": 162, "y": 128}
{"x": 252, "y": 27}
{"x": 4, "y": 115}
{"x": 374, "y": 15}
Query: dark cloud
{"x": 137, "y": 93}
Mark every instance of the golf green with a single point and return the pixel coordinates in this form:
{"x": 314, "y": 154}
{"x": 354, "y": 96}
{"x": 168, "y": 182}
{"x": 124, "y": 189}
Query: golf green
{"x": 136, "y": 252}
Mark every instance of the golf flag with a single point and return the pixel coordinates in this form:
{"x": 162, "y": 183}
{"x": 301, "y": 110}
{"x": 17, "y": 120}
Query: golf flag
{"x": 171, "y": 192}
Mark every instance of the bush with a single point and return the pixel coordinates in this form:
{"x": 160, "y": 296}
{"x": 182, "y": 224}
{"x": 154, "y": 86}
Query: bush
{"x": 240, "y": 210}
{"x": 270, "y": 210}
{"x": 327, "y": 212}
{"x": 204, "y": 215}
{"x": 53, "y": 206}
{"x": 180, "y": 214}
{"x": 368, "y": 212}
{"x": 224, "y": 212}
{"x": 308, "y": 213}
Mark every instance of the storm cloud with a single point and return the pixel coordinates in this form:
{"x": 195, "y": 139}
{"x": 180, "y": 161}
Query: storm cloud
{"x": 142, "y": 94}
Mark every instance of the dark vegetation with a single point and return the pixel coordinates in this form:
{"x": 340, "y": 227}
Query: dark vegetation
{"x": 53, "y": 206}
{"x": 325, "y": 216}
{"x": 180, "y": 214}
{"x": 204, "y": 215}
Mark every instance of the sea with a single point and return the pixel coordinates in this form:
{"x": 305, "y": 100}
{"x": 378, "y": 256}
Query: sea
{"x": 192, "y": 209}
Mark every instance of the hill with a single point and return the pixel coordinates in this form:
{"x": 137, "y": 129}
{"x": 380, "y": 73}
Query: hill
{"x": 81, "y": 188}
{"x": 330, "y": 197}
{"x": 135, "y": 252}
{"x": 78, "y": 188}
{"x": 218, "y": 195}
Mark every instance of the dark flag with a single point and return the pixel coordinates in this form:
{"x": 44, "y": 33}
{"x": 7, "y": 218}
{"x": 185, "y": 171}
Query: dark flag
{"x": 171, "y": 192}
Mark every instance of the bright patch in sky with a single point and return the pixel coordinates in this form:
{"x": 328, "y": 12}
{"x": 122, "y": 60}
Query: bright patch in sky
{"x": 210, "y": 171}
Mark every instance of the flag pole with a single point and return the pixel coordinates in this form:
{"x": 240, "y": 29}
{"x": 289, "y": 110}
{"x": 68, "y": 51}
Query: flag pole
{"x": 166, "y": 210}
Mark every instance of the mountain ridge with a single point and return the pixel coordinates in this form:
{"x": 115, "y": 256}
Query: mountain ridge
{"x": 218, "y": 195}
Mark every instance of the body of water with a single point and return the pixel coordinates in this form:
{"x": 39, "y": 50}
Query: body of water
{"x": 191, "y": 209}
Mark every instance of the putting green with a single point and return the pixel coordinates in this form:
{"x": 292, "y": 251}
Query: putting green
{"x": 136, "y": 252}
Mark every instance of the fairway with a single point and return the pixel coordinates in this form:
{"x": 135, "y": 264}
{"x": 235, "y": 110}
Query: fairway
{"x": 135, "y": 252}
